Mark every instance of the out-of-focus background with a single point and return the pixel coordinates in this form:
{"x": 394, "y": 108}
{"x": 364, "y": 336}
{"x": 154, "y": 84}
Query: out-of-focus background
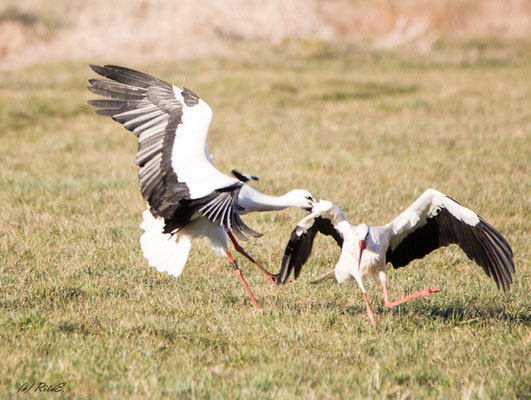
{"x": 151, "y": 31}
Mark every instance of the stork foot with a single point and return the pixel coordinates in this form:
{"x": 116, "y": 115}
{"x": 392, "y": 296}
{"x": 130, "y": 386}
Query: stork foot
{"x": 429, "y": 291}
{"x": 424, "y": 293}
{"x": 273, "y": 278}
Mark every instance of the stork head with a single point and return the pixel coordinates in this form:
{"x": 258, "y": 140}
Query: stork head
{"x": 301, "y": 198}
{"x": 362, "y": 232}
{"x": 322, "y": 207}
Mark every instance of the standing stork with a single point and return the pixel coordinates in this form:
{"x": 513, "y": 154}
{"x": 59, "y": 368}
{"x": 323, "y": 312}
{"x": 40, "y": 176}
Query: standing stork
{"x": 187, "y": 197}
{"x": 434, "y": 220}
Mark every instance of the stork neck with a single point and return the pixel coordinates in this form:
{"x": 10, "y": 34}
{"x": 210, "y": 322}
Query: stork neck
{"x": 252, "y": 200}
{"x": 264, "y": 202}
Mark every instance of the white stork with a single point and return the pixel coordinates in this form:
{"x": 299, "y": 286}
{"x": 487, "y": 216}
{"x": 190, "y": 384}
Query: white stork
{"x": 434, "y": 220}
{"x": 187, "y": 197}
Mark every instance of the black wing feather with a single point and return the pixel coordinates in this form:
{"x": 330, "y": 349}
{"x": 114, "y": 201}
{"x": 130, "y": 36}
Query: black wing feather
{"x": 244, "y": 177}
{"x": 481, "y": 243}
{"x": 127, "y": 76}
{"x": 147, "y": 106}
{"x": 218, "y": 207}
{"x": 300, "y": 246}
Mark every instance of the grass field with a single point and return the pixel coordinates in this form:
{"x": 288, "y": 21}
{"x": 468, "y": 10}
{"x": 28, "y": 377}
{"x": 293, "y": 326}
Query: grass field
{"x": 368, "y": 130}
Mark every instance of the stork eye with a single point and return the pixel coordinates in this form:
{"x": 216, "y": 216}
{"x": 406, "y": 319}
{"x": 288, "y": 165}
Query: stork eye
{"x": 309, "y": 197}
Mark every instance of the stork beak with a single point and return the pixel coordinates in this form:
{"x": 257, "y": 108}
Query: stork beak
{"x": 312, "y": 203}
{"x": 363, "y": 245}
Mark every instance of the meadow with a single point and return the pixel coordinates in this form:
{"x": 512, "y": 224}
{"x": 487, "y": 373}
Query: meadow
{"x": 369, "y": 130}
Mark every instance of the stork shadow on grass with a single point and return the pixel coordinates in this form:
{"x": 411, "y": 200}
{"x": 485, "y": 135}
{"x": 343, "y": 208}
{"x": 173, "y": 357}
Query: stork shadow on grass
{"x": 463, "y": 314}
{"x": 451, "y": 313}
{"x": 459, "y": 312}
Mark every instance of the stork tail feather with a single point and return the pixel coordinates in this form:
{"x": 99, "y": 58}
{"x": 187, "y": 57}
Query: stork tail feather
{"x": 164, "y": 251}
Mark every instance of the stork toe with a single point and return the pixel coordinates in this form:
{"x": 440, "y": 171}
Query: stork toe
{"x": 429, "y": 291}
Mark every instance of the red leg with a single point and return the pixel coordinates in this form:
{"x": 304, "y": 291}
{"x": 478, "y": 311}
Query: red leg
{"x": 369, "y": 311}
{"x": 241, "y": 250}
{"x": 238, "y": 272}
{"x": 390, "y": 304}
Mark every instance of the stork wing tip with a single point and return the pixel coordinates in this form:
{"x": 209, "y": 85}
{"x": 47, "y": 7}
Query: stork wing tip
{"x": 244, "y": 177}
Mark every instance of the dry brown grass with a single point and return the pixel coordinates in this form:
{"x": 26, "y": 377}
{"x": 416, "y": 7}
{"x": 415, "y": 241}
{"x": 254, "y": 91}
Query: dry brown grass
{"x": 150, "y": 31}
{"x": 365, "y": 18}
{"x": 155, "y": 30}
{"x": 416, "y": 24}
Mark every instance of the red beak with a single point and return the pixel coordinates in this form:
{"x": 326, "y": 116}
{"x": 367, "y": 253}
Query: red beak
{"x": 363, "y": 245}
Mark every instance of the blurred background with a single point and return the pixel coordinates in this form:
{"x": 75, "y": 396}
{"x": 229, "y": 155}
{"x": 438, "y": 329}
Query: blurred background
{"x": 152, "y": 31}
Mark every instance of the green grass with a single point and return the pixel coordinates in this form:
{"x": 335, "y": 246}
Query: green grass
{"x": 367, "y": 130}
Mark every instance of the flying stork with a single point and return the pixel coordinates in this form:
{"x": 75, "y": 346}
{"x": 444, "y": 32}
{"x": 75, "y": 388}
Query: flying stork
{"x": 187, "y": 197}
{"x": 434, "y": 220}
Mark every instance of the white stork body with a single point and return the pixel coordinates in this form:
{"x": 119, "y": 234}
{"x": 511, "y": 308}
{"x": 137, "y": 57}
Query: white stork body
{"x": 187, "y": 196}
{"x": 432, "y": 221}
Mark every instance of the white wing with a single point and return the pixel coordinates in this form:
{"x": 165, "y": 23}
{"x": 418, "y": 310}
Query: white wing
{"x": 171, "y": 125}
{"x": 426, "y": 206}
{"x": 435, "y": 220}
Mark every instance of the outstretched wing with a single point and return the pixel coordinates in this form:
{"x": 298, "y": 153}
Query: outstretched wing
{"x": 435, "y": 220}
{"x": 172, "y": 126}
{"x": 154, "y": 110}
{"x": 300, "y": 243}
